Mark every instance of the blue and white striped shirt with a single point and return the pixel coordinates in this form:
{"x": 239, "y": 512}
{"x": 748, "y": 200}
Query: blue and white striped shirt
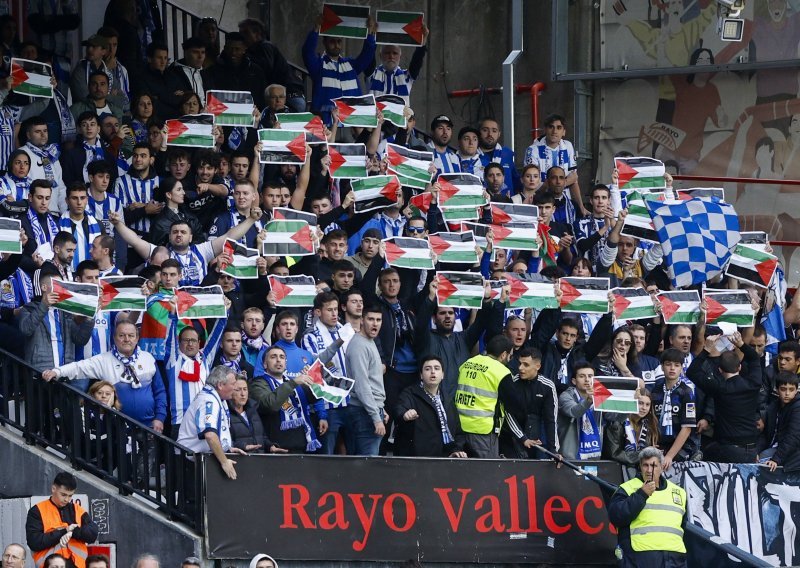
{"x": 130, "y": 190}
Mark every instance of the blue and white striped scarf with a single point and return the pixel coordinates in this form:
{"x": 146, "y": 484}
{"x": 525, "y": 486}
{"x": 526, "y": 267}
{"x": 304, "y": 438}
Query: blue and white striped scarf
{"x": 295, "y": 413}
{"x": 38, "y": 231}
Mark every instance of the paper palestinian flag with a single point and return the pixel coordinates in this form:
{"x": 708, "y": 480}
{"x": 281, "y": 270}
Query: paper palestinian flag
{"x": 244, "y": 262}
{"x": 399, "y": 28}
{"x": 280, "y": 146}
{"x": 729, "y": 306}
{"x": 310, "y": 123}
{"x": 76, "y": 297}
{"x": 752, "y": 265}
{"x": 375, "y": 192}
{"x": 284, "y": 213}
{"x": 584, "y": 295}
{"x": 530, "y": 291}
{"x": 633, "y": 304}
{"x": 292, "y": 238}
{"x": 408, "y": 252}
{"x": 191, "y": 131}
{"x": 119, "y": 293}
{"x": 496, "y": 287}
{"x": 640, "y": 173}
{"x": 31, "y": 78}
{"x": 480, "y": 231}
{"x": 327, "y": 386}
{"x": 195, "y": 302}
{"x": 393, "y": 108}
{"x": 357, "y": 111}
{"x": 461, "y": 190}
{"x": 458, "y": 214}
{"x": 701, "y": 193}
{"x": 515, "y": 236}
{"x": 293, "y": 291}
{"x": 421, "y": 202}
{"x": 615, "y": 394}
{"x": 460, "y": 289}
{"x": 348, "y": 161}
{"x": 9, "y": 236}
{"x": 410, "y": 166}
{"x": 638, "y": 224}
{"x": 454, "y": 247}
{"x": 230, "y": 108}
{"x": 680, "y": 307}
{"x": 755, "y": 239}
{"x": 503, "y": 213}
{"x": 339, "y": 20}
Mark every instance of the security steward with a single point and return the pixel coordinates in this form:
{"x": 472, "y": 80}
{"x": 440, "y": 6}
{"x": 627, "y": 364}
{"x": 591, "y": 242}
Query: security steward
{"x": 650, "y": 514}
{"x": 59, "y": 525}
{"x": 484, "y": 382}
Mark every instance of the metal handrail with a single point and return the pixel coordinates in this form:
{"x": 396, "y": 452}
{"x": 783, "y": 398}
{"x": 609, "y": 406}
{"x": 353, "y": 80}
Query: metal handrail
{"x": 102, "y": 441}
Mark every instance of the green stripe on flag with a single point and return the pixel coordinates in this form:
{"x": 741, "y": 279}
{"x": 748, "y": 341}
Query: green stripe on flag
{"x": 33, "y": 90}
{"x": 639, "y": 312}
{"x": 195, "y": 140}
{"x": 13, "y": 247}
{"x": 76, "y": 308}
{"x": 618, "y": 405}
{"x": 645, "y": 182}
{"x": 587, "y": 306}
{"x": 245, "y": 271}
{"x": 226, "y": 119}
{"x": 752, "y": 254}
{"x": 685, "y": 317}
{"x": 742, "y": 320}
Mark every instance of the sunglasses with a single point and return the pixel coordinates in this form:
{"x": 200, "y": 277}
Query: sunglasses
{"x": 419, "y": 230}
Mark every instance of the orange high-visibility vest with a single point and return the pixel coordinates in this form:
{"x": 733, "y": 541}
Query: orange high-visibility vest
{"x": 76, "y": 550}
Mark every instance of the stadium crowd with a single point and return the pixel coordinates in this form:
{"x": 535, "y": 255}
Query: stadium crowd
{"x": 99, "y": 192}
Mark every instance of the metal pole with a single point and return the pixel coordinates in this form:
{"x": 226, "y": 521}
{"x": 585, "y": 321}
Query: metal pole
{"x": 508, "y": 71}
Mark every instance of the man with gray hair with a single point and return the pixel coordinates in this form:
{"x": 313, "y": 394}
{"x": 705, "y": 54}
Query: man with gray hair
{"x": 146, "y": 560}
{"x": 206, "y": 426}
{"x": 650, "y": 514}
{"x": 14, "y": 556}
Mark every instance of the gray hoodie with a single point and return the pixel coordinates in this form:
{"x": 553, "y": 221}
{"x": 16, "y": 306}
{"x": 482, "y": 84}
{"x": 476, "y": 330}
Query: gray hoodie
{"x": 259, "y": 557}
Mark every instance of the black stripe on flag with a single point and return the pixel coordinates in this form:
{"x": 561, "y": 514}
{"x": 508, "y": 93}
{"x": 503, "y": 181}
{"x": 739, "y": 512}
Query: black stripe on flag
{"x": 743, "y": 273}
{"x": 618, "y": 383}
{"x": 349, "y": 11}
{"x": 642, "y": 233}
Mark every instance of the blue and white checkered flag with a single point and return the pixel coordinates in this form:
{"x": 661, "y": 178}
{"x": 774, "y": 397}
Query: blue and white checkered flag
{"x": 697, "y": 237}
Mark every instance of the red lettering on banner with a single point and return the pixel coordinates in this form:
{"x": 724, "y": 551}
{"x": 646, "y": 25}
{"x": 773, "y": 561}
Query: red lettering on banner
{"x": 612, "y": 529}
{"x": 389, "y": 516}
{"x": 533, "y": 517}
{"x": 489, "y": 521}
{"x": 580, "y": 516}
{"x": 453, "y": 517}
{"x": 298, "y": 507}
{"x": 363, "y": 517}
{"x": 513, "y": 504}
{"x": 335, "y": 517}
{"x": 550, "y": 507}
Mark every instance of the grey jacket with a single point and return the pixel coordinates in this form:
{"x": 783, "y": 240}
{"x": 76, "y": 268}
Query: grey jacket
{"x": 366, "y": 369}
{"x": 569, "y": 413}
{"x": 38, "y": 346}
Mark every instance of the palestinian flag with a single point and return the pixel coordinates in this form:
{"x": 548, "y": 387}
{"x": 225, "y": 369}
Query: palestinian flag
{"x": 31, "y": 78}
{"x": 633, "y": 304}
{"x": 9, "y": 236}
{"x": 729, "y": 306}
{"x": 310, "y": 123}
{"x": 155, "y": 322}
{"x": 293, "y": 291}
{"x": 496, "y": 287}
{"x": 527, "y": 291}
{"x": 458, "y": 214}
{"x": 375, "y": 192}
{"x": 191, "y": 131}
{"x": 638, "y": 223}
{"x": 616, "y": 394}
{"x": 348, "y": 161}
{"x": 640, "y": 173}
{"x": 460, "y": 289}
{"x": 399, "y": 28}
{"x": 756, "y": 239}
{"x": 76, "y": 297}
{"x": 392, "y": 107}
{"x": 339, "y": 20}
{"x": 515, "y": 236}
{"x": 291, "y": 238}
{"x": 230, "y": 108}
{"x": 195, "y": 302}
{"x": 244, "y": 260}
{"x": 327, "y": 386}
{"x": 461, "y": 190}
{"x": 701, "y": 193}
{"x": 411, "y": 164}
{"x": 357, "y": 111}
{"x": 280, "y": 146}
{"x": 454, "y": 247}
{"x": 407, "y": 181}
{"x": 284, "y": 213}
{"x": 407, "y": 252}
{"x": 119, "y": 293}
{"x": 503, "y": 213}
{"x": 422, "y": 202}
{"x": 584, "y": 295}
{"x": 752, "y": 265}
{"x": 479, "y": 231}
{"x": 680, "y": 307}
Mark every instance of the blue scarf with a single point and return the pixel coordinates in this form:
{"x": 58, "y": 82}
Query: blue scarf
{"x": 436, "y": 399}
{"x": 588, "y": 434}
{"x": 56, "y": 335}
{"x": 632, "y": 442}
{"x": 47, "y": 155}
{"x": 232, "y": 363}
{"x": 38, "y": 231}
{"x": 295, "y": 414}
{"x": 21, "y": 186}
{"x": 94, "y": 153}
{"x": 671, "y": 398}
{"x": 129, "y": 374}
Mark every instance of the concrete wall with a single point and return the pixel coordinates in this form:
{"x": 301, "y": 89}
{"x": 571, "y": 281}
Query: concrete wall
{"x": 133, "y": 525}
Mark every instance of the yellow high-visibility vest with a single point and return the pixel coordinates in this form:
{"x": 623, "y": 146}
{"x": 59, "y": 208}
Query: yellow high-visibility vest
{"x": 476, "y": 395}
{"x": 658, "y": 526}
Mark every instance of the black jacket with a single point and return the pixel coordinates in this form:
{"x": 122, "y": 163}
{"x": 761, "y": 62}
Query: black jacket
{"x": 38, "y": 540}
{"x": 247, "y": 76}
{"x": 534, "y": 409}
{"x": 159, "y": 227}
{"x": 161, "y": 87}
{"x": 251, "y": 431}
{"x": 786, "y": 419}
{"x": 423, "y": 436}
{"x": 73, "y": 160}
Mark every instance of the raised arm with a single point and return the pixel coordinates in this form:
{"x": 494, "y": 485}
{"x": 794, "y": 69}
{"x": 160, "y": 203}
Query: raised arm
{"x": 237, "y": 232}
{"x": 141, "y": 246}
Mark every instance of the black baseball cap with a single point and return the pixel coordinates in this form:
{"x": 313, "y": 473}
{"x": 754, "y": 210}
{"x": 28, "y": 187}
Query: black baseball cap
{"x": 441, "y": 118}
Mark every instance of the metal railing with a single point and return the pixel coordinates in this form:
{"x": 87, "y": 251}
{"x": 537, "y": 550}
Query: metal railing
{"x": 102, "y": 441}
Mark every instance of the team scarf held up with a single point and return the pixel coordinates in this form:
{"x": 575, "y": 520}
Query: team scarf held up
{"x": 295, "y": 413}
{"x": 129, "y": 363}
{"x": 93, "y": 153}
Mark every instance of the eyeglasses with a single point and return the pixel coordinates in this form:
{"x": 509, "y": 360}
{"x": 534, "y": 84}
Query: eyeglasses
{"x": 419, "y": 230}
{"x": 622, "y": 341}
{"x": 184, "y": 340}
